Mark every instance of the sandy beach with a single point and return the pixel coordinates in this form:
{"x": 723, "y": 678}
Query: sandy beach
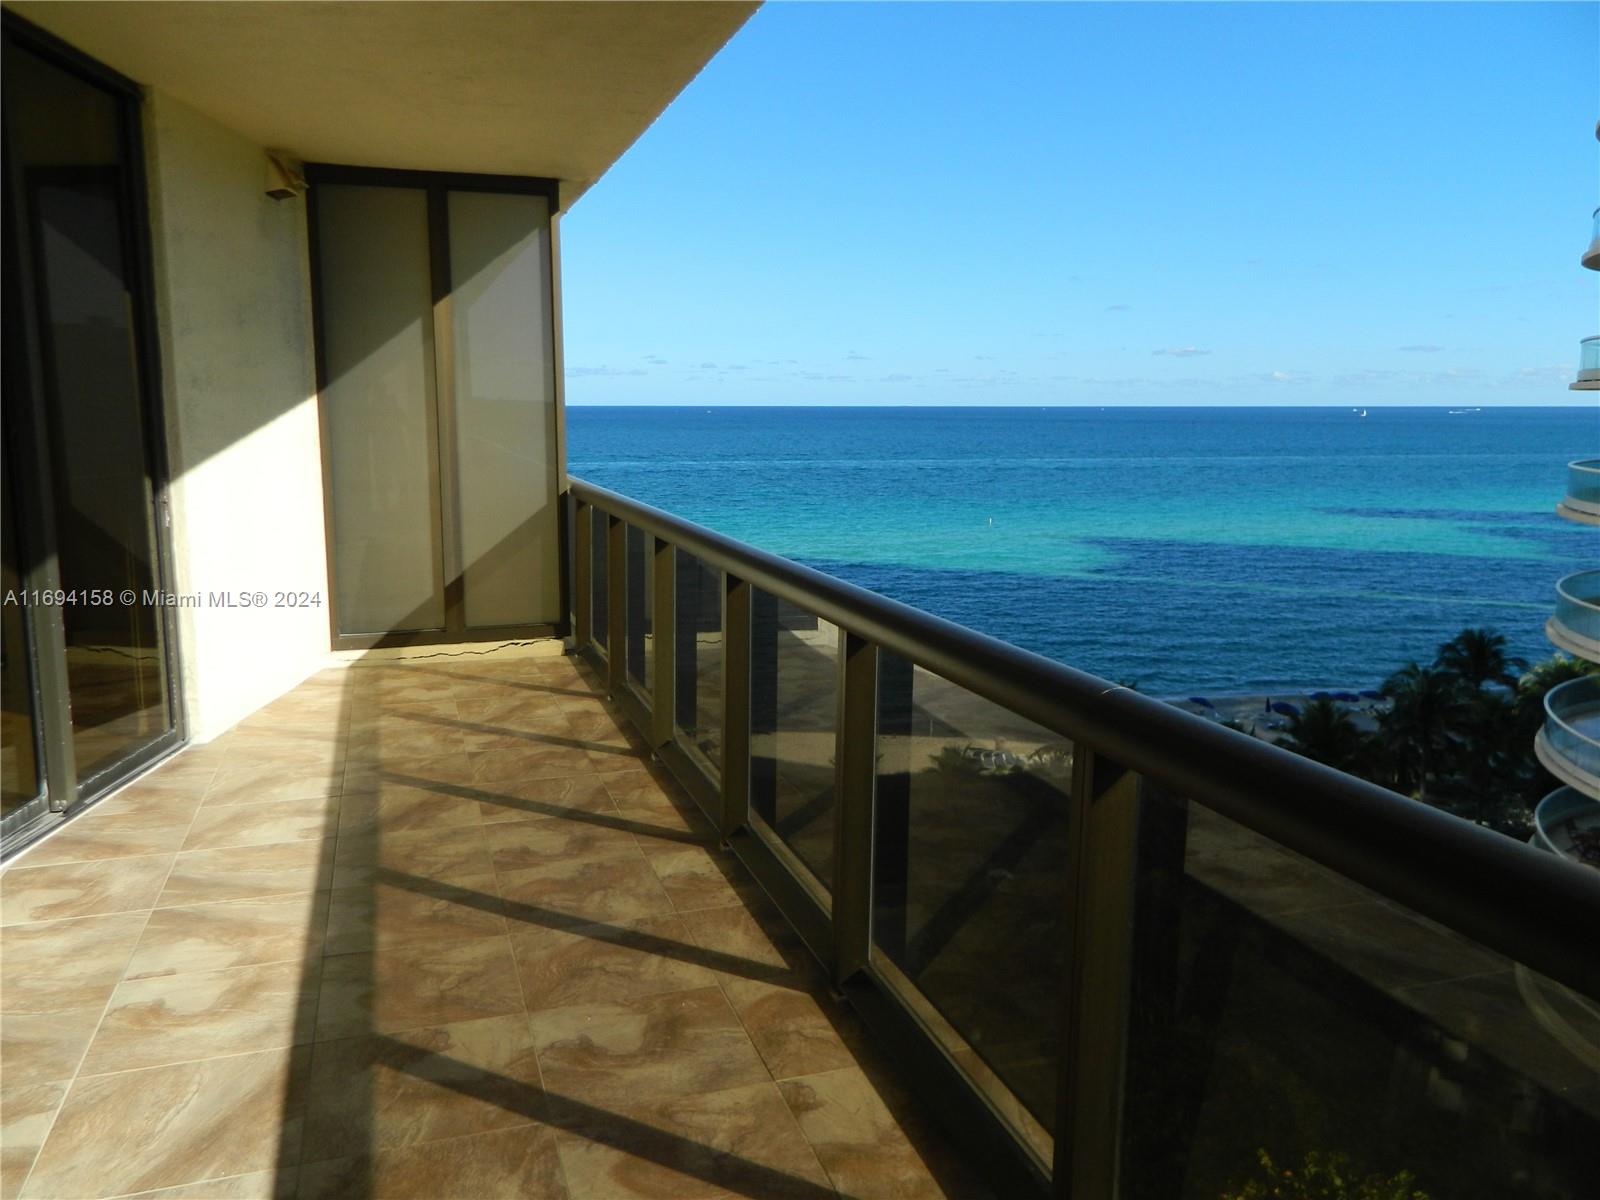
{"x": 1253, "y": 713}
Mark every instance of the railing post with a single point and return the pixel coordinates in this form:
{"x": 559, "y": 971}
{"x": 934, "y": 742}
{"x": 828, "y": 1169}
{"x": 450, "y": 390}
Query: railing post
{"x": 616, "y": 604}
{"x": 735, "y": 704}
{"x": 582, "y": 573}
{"x": 663, "y": 627}
{"x": 1101, "y": 867}
{"x": 854, "y": 781}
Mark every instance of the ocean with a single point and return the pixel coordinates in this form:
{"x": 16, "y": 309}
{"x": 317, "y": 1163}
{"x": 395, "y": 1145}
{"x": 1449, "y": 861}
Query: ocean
{"x": 1184, "y": 550}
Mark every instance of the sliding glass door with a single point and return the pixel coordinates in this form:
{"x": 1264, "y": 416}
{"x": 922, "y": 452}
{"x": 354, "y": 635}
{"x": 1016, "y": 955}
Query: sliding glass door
{"x": 87, "y": 676}
{"x": 437, "y": 379}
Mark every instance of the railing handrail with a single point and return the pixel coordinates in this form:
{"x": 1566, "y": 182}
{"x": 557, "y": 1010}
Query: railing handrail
{"x": 1540, "y": 911}
{"x": 1590, "y": 466}
{"x": 1566, "y": 594}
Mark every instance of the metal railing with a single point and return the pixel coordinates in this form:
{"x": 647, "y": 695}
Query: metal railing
{"x": 1092, "y": 776}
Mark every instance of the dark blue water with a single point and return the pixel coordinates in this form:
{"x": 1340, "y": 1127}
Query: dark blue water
{"x": 1187, "y": 550}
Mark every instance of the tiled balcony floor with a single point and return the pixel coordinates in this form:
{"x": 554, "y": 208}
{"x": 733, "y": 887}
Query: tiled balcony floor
{"x": 428, "y": 929}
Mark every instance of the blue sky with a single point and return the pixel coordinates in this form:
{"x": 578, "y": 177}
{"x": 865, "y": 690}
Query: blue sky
{"x": 1081, "y": 203}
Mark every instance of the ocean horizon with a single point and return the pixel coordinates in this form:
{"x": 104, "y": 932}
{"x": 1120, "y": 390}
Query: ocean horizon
{"x": 1187, "y": 550}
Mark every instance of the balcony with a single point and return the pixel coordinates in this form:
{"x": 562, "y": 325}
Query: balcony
{"x": 1575, "y": 626}
{"x": 777, "y": 888}
{"x": 1588, "y": 379}
{"x": 1569, "y": 743}
{"x": 1568, "y": 822}
{"x": 1591, "y": 256}
{"x": 1582, "y": 501}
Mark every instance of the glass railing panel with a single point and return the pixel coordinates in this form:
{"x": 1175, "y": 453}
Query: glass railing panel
{"x": 1278, "y": 1010}
{"x": 697, "y": 698}
{"x": 970, "y": 880}
{"x": 793, "y": 711}
{"x": 1583, "y": 481}
{"x": 599, "y": 579}
{"x": 1589, "y": 359}
{"x": 1572, "y": 723}
{"x": 637, "y": 610}
{"x": 1578, "y": 604}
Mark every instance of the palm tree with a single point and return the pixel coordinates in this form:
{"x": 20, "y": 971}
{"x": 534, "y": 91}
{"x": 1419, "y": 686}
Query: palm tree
{"x": 1426, "y": 706}
{"x": 1325, "y": 732}
{"x": 1479, "y": 656}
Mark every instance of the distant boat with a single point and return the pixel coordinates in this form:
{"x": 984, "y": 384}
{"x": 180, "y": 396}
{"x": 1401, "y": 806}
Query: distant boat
{"x": 1360, "y": 412}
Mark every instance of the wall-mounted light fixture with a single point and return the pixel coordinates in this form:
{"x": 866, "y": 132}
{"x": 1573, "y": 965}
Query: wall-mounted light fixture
{"x": 286, "y": 176}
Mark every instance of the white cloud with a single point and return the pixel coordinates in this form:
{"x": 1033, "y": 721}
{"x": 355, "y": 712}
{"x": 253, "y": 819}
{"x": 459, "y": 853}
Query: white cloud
{"x": 1181, "y": 351}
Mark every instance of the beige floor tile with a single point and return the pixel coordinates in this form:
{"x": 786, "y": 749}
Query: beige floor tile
{"x": 677, "y": 1043}
{"x": 550, "y": 761}
{"x": 258, "y": 783}
{"x": 164, "y": 1126}
{"x": 640, "y": 788}
{"x": 401, "y": 738}
{"x": 257, "y": 1185}
{"x": 81, "y": 889}
{"x": 112, "y": 834}
{"x": 397, "y": 806}
{"x": 308, "y": 819}
{"x": 248, "y": 872}
{"x": 52, "y": 966}
{"x": 697, "y": 876}
{"x": 609, "y": 889}
{"x": 407, "y": 987}
{"x": 39, "y": 1047}
{"x": 523, "y": 800}
{"x": 797, "y": 1031}
{"x": 175, "y": 1018}
{"x": 518, "y": 845}
{"x": 857, "y": 1138}
{"x": 448, "y": 854}
{"x": 374, "y": 1093}
{"x": 510, "y": 1164}
{"x": 591, "y": 964}
{"x": 396, "y": 909}
{"x": 231, "y": 933}
{"x": 26, "y": 1112}
{"x": 739, "y": 1142}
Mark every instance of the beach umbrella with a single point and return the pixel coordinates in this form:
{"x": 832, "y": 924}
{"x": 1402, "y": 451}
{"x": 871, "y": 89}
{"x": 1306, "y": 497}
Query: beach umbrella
{"x": 1201, "y": 701}
{"x": 1285, "y": 709}
{"x": 1369, "y": 694}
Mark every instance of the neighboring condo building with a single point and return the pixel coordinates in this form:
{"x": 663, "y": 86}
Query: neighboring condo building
{"x": 1567, "y": 821}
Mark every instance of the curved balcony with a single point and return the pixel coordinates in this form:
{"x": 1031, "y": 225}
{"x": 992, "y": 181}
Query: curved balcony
{"x": 1582, "y": 501}
{"x": 1591, "y": 256}
{"x": 1566, "y": 822}
{"x": 1588, "y": 379}
{"x": 1575, "y": 627}
{"x": 1569, "y": 743}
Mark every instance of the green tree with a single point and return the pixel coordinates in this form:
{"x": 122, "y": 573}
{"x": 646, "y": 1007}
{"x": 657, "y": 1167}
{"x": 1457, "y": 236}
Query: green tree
{"x": 1420, "y": 731}
{"x": 1479, "y": 657}
{"x": 1325, "y": 732}
{"x": 1323, "y": 1177}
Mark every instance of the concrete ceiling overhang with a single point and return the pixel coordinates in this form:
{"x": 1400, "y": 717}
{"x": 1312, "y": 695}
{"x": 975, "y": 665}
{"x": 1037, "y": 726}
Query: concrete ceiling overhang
{"x": 558, "y": 90}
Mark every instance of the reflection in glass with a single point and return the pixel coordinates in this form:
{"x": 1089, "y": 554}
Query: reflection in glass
{"x": 504, "y": 406}
{"x": 793, "y": 701}
{"x": 19, "y": 773}
{"x": 969, "y": 879}
{"x": 639, "y": 618}
{"x": 64, "y": 136}
{"x": 599, "y": 578}
{"x": 377, "y": 344}
{"x": 698, "y": 702}
{"x": 1278, "y": 1007}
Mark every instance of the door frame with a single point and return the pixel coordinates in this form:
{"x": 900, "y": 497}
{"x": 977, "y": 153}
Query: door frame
{"x": 435, "y": 185}
{"x": 66, "y": 793}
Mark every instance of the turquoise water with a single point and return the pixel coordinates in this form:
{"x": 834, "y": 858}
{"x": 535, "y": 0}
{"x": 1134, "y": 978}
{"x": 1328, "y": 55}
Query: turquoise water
{"x": 1187, "y": 550}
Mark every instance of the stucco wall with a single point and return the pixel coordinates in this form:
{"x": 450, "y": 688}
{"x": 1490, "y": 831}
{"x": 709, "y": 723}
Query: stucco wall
{"x": 233, "y": 308}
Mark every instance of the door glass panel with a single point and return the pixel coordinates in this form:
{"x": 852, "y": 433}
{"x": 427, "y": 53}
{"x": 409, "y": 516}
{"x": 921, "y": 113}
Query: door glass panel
{"x": 19, "y": 772}
{"x": 378, "y": 397}
{"x": 504, "y": 407}
{"x": 73, "y": 185}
